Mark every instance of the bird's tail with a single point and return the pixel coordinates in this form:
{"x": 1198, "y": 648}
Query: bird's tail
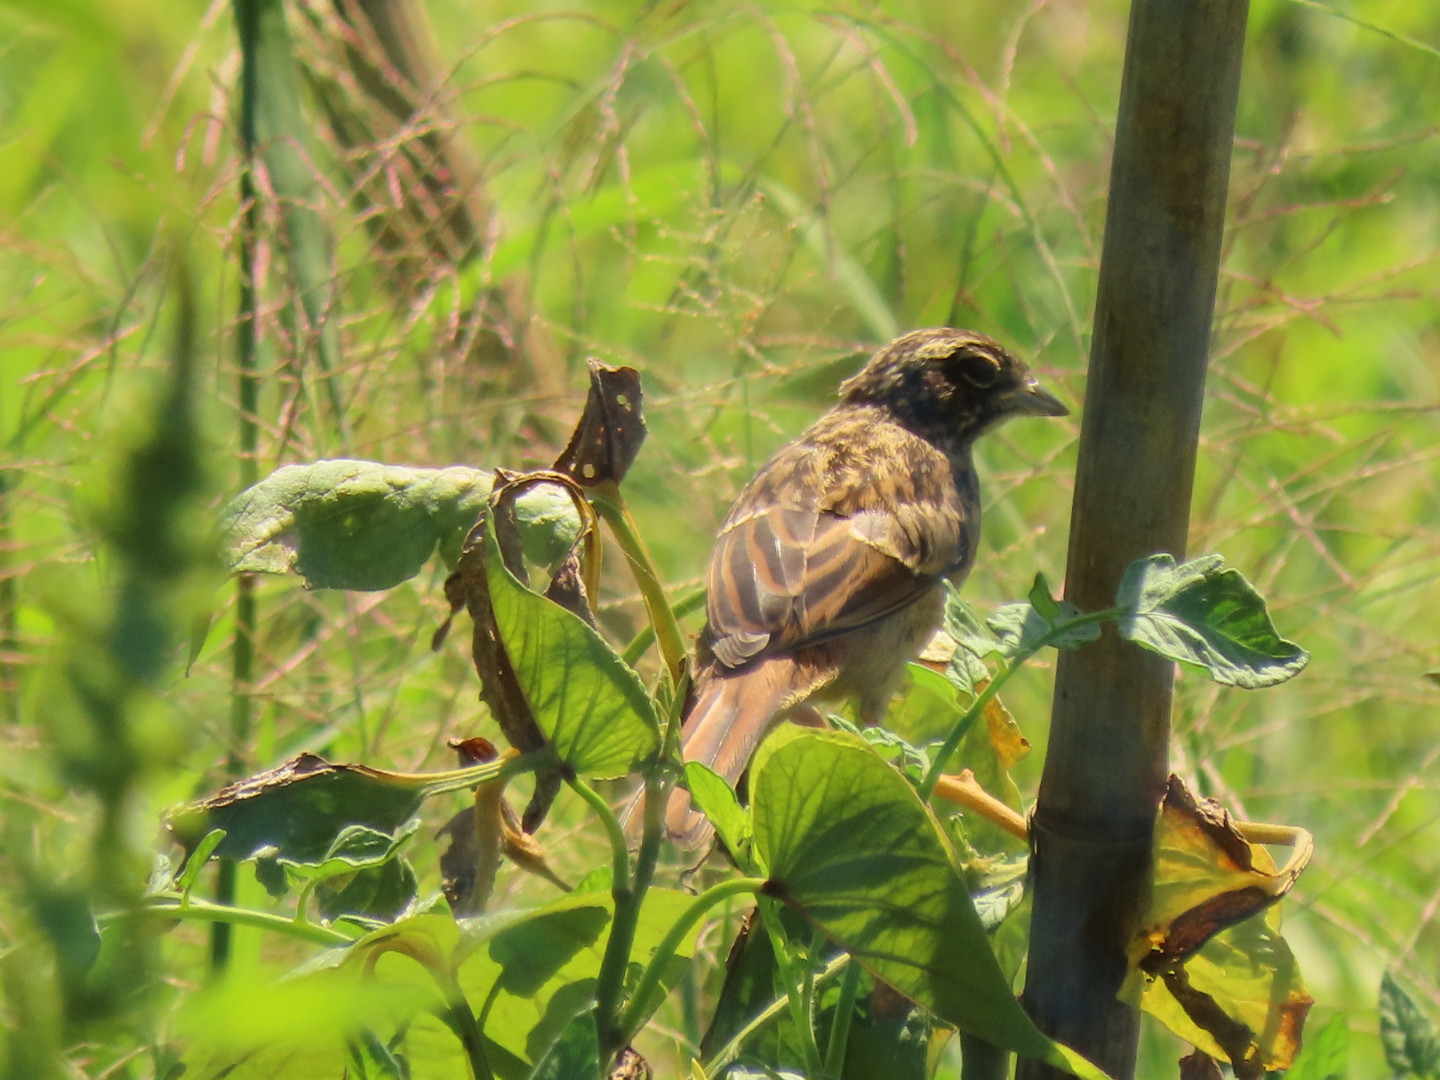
{"x": 730, "y": 716}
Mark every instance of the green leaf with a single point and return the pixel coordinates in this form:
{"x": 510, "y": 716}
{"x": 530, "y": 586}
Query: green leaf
{"x": 352, "y": 524}
{"x": 1023, "y": 627}
{"x": 355, "y": 847}
{"x": 1326, "y": 1054}
{"x": 1412, "y": 1047}
{"x": 528, "y": 974}
{"x": 575, "y": 1053}
{"x": 967, "y": 628}
{"x": 1042, "y": 601}
{"x": 297, "y": 810}
{"x": 1208, "y": 616}
{"x": 850, "y": 846}
{"x": 382, "y": 892}
{"x": 714, "y": 797}
{"x": 973, "y": 642}
{"x": 589, "y": 703}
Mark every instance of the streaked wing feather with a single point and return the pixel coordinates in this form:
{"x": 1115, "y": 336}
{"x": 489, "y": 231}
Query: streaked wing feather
{"x": 784, "y": 576}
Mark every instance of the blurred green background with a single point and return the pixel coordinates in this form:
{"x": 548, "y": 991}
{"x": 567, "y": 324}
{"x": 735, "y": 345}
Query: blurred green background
{"x": 740, "y": 201}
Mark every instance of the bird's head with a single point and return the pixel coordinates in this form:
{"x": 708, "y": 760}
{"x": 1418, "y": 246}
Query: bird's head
{"x": 946, "y": 383}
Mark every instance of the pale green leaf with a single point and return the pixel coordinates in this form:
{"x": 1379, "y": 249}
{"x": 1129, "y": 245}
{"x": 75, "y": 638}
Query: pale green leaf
{"x": 1205, "y": 614}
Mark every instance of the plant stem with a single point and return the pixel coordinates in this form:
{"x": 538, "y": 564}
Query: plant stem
{"x": 804, "y": 1029}
{"x": 611, "y": 507}
{"x": 166, "y": 907}
{"x": 1007, "y": 669}
{"x": 639, "y": 1006}
{"x": 610, "y": 982}
{"x": 684, "y": 605}
{"x": 504, "y": 768}
{"x": 247, "y": 24}
{"x": 731, "y": 1050}
{"x": 844, "y": 1014}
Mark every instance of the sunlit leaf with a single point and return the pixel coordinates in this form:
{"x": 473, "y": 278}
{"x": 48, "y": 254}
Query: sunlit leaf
{"x": 716, "y": 800}
{"x": 849, "y": 844}
{"x": 1326, "y": 1053}
{"x": 1204, "y": 614}
{"x": 1240, "y": 998}
{"x": 1207, "y": 877}
{"x": 589, "y": 703}
{"x": 1226, "y": 980}
{"x": 1024, "y": 627}
{"x": 352, "y": 524}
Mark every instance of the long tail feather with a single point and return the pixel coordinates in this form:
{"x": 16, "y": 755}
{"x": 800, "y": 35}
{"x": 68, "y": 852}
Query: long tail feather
{"x": 729, "y": 718}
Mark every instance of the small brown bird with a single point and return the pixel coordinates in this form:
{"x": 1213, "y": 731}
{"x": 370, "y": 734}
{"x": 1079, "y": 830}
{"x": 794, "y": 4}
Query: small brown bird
{"x": 827, "y": 575}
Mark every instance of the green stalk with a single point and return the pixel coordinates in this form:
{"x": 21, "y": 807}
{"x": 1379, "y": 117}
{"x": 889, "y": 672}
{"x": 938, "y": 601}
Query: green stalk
{"x": 1007, "y": 669}
{"x": 610, "y": 982}
{"x": 799, "y": 1016}
{"x": 640, "y": 1004}
{"x": 242, "y": 663}
{"x": 844, "y": 1014}
{"x": 611, "y": 507}
{"x": 731, "y": 1050}
{"x": 684, "y": 605}
{"x": 165, "y": 907}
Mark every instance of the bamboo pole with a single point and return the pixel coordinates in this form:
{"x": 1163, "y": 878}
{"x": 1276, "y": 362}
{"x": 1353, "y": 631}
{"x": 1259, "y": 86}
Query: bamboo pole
{"x": 1108, "y": 757}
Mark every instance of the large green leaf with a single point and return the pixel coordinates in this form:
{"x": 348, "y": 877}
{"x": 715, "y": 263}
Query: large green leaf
{"x": 352, "y": 524}
{"x": 590, "y": 704}
{"x": 298, "y": 810}
{"x": 850, "y": 845}
{"x": 1205, "y": 614}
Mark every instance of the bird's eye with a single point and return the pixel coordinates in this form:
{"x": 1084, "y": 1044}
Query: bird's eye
{"x": 977, "y": 368}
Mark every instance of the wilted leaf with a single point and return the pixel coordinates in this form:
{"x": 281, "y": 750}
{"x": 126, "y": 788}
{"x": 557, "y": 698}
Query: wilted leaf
{"x": 1240, "y": 998}
{"x": 849, "y": 844}
{"x": 1206, "y": 615}
{"x": 1412, "y": 1046}
{"x": 590, "y": 705}
{"x": 973, "y": 642}
{"x": 296, "y": 811}
{"x": 1207, "y": 877}
{"x": 608, "y": 435}
{"x": 1227, "y": 983}
{"x": 1022, "y": 627}
{"x": 347, "y": 524}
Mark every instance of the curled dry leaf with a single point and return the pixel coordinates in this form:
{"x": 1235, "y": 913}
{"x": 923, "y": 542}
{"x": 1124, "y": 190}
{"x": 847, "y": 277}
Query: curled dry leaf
{"x": 1225, "y": 979}
{"x": 601, "y": 450}
{"x": 468, "y": 587}
{"x": 1208, "y": 876}
{"x": 608, "y": 436}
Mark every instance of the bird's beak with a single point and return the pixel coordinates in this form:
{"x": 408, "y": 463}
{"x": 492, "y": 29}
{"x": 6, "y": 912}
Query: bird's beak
{"x": 1034, "y": 400}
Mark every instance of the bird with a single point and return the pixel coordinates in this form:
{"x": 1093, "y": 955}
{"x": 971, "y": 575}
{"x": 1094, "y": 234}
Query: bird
{"x": 828, "y": 574}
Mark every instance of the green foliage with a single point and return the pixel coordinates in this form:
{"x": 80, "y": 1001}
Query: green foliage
{"x": 589, "y": 703}
{"x": 352, "y": 524}
{"x": 1412, "y": 1045}
{"x": 1206, "y": 615}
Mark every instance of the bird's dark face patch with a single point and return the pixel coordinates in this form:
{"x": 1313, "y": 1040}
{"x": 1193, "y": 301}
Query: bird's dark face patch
{"x": 947, "y": 385}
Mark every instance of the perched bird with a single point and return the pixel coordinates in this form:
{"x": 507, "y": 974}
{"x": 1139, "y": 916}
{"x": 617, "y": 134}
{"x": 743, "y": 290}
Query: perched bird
{"x": 828, "y": 573}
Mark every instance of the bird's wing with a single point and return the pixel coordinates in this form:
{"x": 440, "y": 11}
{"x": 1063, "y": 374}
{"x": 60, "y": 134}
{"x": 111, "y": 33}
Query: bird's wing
{"x": 784, "y": 574}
